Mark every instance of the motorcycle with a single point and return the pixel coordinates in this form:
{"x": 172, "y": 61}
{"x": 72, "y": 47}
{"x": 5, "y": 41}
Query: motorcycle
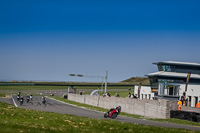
{"x": 21, "y": 101}
{"x": 18, "y": 97}
{"x": 113, "y": 112}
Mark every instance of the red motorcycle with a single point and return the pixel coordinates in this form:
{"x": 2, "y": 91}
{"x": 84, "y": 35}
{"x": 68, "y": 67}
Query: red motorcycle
{"x": 113, "y": 112}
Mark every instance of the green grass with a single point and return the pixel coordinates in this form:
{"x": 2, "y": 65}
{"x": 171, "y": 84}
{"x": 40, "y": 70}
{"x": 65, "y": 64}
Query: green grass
{"x": 2, "y": 95}
{"x": 38, "y": 87}
{"x": 23, "y": 120}
{"x": 20, "y": 88}
{"x": 177, "y": 121}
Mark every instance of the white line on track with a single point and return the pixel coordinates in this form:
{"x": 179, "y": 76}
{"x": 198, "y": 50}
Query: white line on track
{"x": 14, "y": 101}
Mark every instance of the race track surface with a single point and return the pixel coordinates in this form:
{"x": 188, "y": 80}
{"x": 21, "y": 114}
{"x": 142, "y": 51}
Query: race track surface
{"x": 64, "y": 108}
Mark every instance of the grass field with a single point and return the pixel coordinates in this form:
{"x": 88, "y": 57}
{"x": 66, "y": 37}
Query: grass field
{"x": 84, "y": 89}
{"x": 2, "y": 95}
{"x": 40, "y": 87}
{"x": 23, "y": 120}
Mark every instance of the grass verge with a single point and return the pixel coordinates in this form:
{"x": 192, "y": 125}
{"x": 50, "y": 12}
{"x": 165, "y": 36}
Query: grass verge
{"x": 24, "y": 120}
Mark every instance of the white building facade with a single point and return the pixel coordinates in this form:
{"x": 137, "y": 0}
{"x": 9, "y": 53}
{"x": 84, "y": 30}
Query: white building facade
{"x": 145, "y": 92}
{"x": 170, "y": 82}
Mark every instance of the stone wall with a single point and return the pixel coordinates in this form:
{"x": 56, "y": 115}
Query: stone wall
{"x": 190, "y": 109}
{"x": 149, "y": 108}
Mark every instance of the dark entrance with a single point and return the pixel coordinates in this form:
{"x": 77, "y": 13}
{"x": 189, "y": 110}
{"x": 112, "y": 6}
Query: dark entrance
{"x": 171, "y": 90}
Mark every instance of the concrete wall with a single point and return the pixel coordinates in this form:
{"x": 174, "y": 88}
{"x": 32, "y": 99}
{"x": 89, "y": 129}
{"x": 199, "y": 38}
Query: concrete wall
{"x": 148, "y": 108}
{"x": 190, "y": 109}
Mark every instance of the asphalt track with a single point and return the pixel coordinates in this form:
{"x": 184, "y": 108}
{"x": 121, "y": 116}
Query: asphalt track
{"x": 64, "y": 108}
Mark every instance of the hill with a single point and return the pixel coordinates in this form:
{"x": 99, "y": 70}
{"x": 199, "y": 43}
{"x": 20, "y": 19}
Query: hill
{"x": 137, "y": 80}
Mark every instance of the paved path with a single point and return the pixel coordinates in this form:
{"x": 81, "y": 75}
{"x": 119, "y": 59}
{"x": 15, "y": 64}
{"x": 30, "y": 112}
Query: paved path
{"x": 64, "y": 108}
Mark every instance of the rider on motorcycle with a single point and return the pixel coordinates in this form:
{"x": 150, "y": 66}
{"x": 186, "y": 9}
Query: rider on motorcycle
{"x": 113, "y": 112}
{"x": 27, "y": 98}
{"x": 43, "y": 100}
{"x": 21, "y": 100}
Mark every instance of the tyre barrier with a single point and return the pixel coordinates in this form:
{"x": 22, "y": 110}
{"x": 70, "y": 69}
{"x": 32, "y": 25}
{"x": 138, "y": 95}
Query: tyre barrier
{"x": 184, "y": 115}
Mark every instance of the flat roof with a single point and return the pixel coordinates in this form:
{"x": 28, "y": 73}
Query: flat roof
{"x": 173, "y": 74}
{"x": 178, "y": 63}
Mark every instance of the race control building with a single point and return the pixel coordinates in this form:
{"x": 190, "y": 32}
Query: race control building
{"x": 170, "y": 82}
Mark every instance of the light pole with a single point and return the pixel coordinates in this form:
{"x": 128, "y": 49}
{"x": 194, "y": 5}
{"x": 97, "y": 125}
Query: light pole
{"x": 94, "y": 76}
{"x": 106, "y": 77}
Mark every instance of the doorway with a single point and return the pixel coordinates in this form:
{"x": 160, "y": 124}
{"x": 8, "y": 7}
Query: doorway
{"x": 171, "y": 90}
{"x": 196, "y": 101}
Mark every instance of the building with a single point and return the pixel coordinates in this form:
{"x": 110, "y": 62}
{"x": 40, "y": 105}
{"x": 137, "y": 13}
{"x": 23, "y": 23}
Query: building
{"x": 145, "y": 92}
{"x": 170, "y": 81}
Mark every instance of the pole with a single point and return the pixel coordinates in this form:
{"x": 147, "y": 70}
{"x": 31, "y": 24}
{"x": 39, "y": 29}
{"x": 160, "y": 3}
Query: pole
{"x": 106, "y": 77}
{"x": 187, "y": 81}
{"x": 102, "y": 86}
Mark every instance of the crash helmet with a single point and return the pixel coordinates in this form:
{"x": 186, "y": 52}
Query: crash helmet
{"x": 119, "y": 108}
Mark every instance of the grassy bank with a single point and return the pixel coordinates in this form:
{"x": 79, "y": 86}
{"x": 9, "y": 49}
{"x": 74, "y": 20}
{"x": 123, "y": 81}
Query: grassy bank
{"x": 22, "y": 120}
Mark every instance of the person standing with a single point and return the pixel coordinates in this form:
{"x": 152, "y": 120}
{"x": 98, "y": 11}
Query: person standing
{"x": 198, "y": 105}
{"x": 179, "y": 105}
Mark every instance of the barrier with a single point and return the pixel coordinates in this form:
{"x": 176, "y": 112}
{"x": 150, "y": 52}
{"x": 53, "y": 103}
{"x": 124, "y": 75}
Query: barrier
{"x": 149, "y": 108}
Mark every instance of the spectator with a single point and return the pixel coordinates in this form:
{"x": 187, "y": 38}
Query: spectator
{"x": 179, "y": 105}
{"x": 183, "y": 98}
{"x": 198, "y": 105}
{"x": 129, "y": 95}
{"x": 117, "y": 95}
{"x": 186, "y": 101}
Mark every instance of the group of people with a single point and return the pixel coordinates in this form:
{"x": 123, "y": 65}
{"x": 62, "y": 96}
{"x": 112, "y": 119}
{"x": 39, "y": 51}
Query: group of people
{"x": 183, "y": 101}
{"x": 20, "y": 98}
{"x": 131, "y": 95}
{"x": 106, "y": 94}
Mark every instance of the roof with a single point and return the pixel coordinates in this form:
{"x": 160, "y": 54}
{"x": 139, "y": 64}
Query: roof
{"x": 173, "y": 74}
{"x": 178, "y": 63}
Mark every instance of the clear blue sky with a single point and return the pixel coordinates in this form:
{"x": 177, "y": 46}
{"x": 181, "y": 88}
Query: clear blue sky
{"x": 46, "y": 40}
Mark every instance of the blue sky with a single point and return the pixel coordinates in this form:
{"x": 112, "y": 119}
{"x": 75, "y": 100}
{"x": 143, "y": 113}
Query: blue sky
{"x": 45, "y": 40}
